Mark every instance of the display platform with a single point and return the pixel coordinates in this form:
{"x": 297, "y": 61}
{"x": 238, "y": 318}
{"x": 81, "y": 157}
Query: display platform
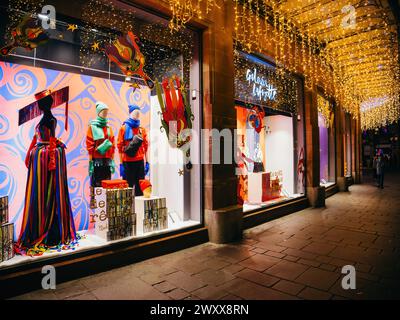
{"x": 327, "y": 184}
{"x": 255, "y": 206}
{"x": 91, "y": 241}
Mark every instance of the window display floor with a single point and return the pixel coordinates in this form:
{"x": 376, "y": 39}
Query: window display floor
{"x": 251, "y": 206}
{"x": 91, "y": 241}
{"x": 327, "y": 184}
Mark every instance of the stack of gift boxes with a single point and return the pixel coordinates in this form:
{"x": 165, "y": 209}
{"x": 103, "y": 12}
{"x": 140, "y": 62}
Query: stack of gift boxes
{"x": 114, "y": 213}
{"x": 152, "y": 214}
{"x": 6, "y": 232}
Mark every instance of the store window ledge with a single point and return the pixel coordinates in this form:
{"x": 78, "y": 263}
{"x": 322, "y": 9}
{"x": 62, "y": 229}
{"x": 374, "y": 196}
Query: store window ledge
{"x": 331, "y": 190}
{"x": 254, "y": 218}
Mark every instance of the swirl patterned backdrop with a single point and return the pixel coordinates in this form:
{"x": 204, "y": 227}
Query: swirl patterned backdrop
{"x": 18, "y": 84}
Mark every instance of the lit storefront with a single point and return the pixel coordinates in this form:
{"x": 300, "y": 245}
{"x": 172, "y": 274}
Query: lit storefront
{"x": 86, "y": 63}
{"x": 270, "y": 134}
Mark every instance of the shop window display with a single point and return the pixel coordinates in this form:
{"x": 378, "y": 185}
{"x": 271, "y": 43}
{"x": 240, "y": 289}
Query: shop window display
{"x": 270, "y": 134}
{"x": 100, "y": 191}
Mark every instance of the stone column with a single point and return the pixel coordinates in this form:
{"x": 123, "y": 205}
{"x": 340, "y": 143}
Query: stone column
{"x": 340, "y": 145}
{"x": 315, "y": 193}
{"x": 223, "y": 216}
{"x": 357, "y": 151}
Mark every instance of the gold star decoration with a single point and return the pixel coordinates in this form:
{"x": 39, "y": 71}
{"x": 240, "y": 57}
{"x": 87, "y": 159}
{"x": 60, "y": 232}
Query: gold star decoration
{"x": 134, "y": 86}
{"x": 72, "y": 27}
{"x": 95, "y": 46}
{"x": 181, "y": 172}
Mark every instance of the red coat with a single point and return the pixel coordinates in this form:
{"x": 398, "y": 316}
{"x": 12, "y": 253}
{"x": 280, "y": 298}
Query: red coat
{"x": 122, "y": 143}
{"x": 91, "y": 145}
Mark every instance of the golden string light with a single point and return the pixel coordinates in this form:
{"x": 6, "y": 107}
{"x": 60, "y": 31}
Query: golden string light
{"x": 183, "y": 11}
{"x": 346, "y": 48}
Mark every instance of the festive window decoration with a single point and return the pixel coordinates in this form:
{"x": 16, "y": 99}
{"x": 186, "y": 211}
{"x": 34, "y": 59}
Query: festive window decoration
{"x": 27, "y": 34}
{"x": 349, "y": 49}
{"x": 126, "y": 54}
{"x": 183, "y": 11}
{"x": 324, "y": 108}
{"x": 31, "y": 111}
{"x": 255, "y": 118}
{"x": 176, "y": 113}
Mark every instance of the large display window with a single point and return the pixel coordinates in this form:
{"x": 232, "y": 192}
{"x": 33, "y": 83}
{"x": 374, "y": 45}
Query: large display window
{"x": 92, "y": 142}
{"x": 326, "y": 142}
{"x": 270, "y": 134}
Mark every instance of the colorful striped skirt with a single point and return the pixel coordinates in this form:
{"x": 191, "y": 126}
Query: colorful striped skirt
{"x": 47, "y": 217}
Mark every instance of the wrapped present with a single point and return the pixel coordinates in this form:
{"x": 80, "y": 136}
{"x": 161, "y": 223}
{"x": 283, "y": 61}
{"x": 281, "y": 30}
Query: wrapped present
{"x": 114, "y": 213}
{"x": 6, "y": 241}
{"x": 3, "y": 210}
{"x": 114, "y": 184}
{"x": 151, "y": 214}
{"x": 262, "y": 187}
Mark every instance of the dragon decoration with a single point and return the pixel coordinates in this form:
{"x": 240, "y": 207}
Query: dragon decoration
{"x": 176, "y": 114}
{"x": 125, "y": 53}
{"x": 27, "y": 34}
{"x": 255, "y": 118}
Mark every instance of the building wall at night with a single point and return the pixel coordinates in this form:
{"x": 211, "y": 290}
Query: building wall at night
{"x": 296, "y": 135}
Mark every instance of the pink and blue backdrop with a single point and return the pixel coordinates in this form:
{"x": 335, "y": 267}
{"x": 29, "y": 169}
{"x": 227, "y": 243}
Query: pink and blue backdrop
{"x": 18, "y": 84}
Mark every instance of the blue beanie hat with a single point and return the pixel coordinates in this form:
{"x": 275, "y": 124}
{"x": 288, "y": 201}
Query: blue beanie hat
{"x": 133, "y": 107}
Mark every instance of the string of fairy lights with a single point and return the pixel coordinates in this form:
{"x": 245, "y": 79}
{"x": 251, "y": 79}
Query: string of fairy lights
{"x": 346, "y": 48}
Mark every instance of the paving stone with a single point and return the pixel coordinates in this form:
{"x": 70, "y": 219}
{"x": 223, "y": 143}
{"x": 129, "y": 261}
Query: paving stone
{"x": 259, "y": 262}
{"x": 363, "y": 267}
{"x": 294, "y": 243}
{"x": 275, "y": 254}
{"x": 73, "y": 290}
{"x": 257, "y": 277}
{"x": 291, "y": 258}
{"x": 287, "y": 270}
{"x": 214, "y": 277}
{"x": 307, "y": 262}
{"x": 83, "y": 296}
{"x": 340, "y": 262}
{"x": 216, "y": 264}
{"x": 210, "y": 292}
{"x": 233, "y": 254}
{"x": 178, "y": 294}
{"x": 152, "y": 278}
{"x": 327, "y": 267}
{"x": 319, "y": 248}
{"x": 233, "y": 268}
{"x": 135, "y": 289}
{"x": 314, "y": 294}
{"x": 231, "y": 297}
{"x": 248, "y": 290}
{"x": 318, "y": 278}
{"x": 300, "y": 254}
{"x": 164, "y": 286}
{"x": 185, "y": 281}
{"x": 270, "y": 247}
{"x": 288, "y": 287}
{"x": 258, "y": 250}
{"x": 324, "y": 259}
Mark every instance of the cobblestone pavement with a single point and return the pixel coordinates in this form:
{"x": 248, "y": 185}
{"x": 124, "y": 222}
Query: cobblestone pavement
{"x": 299, "y": 256}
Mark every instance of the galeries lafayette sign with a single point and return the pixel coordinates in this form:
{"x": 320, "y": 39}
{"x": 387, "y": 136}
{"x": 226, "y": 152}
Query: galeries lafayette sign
{"x": 261, "y": 88}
